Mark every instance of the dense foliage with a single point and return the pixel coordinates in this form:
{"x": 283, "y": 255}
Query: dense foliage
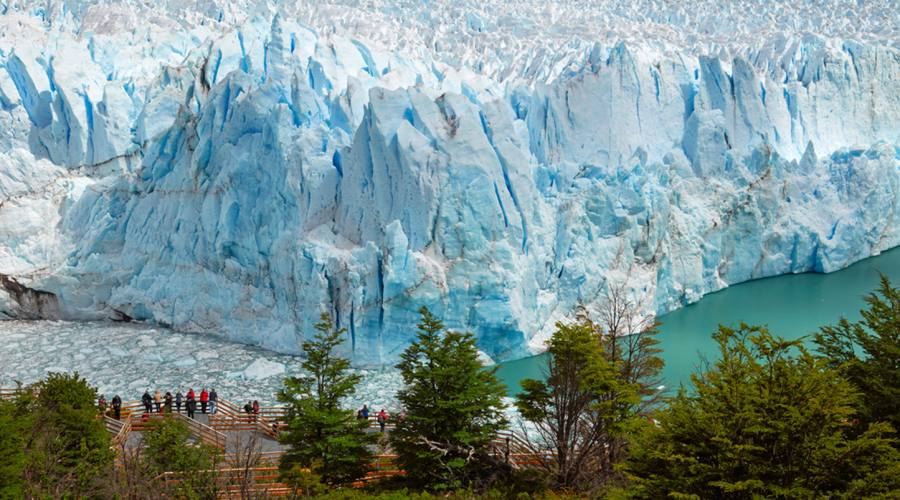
{"x": 768, "y": 420}
{"x": 585, "y": 409}
{"x": 65, "y": 444}
{"x": 867, "y": 353}
{"x": 322, "y": 435}
{"x": 171, "y": 447}
{"x": 14, "y": 424}
{"x": 453, "y": 407}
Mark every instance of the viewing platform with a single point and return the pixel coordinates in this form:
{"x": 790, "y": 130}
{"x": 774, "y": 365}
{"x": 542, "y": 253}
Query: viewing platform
{"x": 249, "y": 443}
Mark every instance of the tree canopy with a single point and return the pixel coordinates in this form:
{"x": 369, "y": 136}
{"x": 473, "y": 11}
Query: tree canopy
{"x": 321, "y": 434}
{"x": 453, "y": 407}
{"x": 768, "y": 419}
{"x": 867, "y": 353}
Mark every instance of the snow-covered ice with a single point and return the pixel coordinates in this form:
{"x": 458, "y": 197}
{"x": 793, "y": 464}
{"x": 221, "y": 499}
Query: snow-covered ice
{"x": 237, "y": 168}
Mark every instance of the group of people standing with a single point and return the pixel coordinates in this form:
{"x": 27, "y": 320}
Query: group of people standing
{"x": 207, "y": 399}
{"x": 116, "y": 406}
{"x": 381, "y": 417}
{"x": 166, "y": 402}
{"x": 252, "y": 409}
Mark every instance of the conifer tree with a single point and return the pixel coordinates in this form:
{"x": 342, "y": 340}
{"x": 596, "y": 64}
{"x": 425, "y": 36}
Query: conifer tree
{"x": 67, "y": 446}
{"x": 14, "y": 424}
{"x": 453, "y": 409}
{"x": 867, "y": 353}
{"x": 768, "y": 420}
{"x": 321, "y": 434}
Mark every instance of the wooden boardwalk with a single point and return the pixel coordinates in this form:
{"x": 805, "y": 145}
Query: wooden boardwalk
{"x": 250, "y": 447}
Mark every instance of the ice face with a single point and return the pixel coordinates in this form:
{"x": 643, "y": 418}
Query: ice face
{"x": 214, "y": 172}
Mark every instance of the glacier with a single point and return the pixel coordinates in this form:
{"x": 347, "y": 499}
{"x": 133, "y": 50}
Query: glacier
{"x": 237, "y": 168}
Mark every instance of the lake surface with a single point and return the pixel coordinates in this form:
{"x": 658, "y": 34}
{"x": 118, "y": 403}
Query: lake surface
{"x": 792, "y": 306}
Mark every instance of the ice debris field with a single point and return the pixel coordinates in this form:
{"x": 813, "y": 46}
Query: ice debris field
{"x": 237, "y": 168}
{"x": 127, "y": 359}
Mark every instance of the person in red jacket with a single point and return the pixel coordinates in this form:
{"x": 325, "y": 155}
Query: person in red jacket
{"x": 190, "y": 395}
{"x": 204, "y": 399}
{"x": 382, "y": 419}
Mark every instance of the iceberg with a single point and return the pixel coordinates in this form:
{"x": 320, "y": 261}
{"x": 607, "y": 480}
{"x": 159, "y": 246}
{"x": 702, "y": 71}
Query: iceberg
{"x": 214, "y": 171}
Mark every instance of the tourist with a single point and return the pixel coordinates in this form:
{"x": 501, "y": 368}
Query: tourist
{"x": 190, "y": 399}
{"x": 382, "y": 419}
{"x": 255, "y": 410}
{"x": 365, "y": 412}
{"x": 191, "y": 407}
{"x": 157, "y": 398}
{"x": 204, "y": 399}
{"x": 248, "y": 409}
{"x": 178, "y": 398}
{"x": 168, "y": 402}
{"x": 148, "y": 401}
{"x": 102, "y": 404}
{"x": 213, "y": 399}
{"x": 117, "y": 406}
{"x": 359, "y": 415}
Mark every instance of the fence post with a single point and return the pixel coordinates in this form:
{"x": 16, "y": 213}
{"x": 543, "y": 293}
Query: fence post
{"x": 507, "y": 450}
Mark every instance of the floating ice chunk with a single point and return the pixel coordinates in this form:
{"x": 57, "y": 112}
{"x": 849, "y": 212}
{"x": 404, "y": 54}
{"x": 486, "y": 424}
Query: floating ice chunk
{"x": 117, "y": 352}
{"x": 262, "y": 369}
{"x": 140, "y": 383}
{"x": 188, "y": 361}
{"x": 146, "y": 341}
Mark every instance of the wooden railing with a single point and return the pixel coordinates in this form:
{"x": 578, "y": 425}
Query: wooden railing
{"x": 141, "y": 421}
{"x": 261, "y": 458}
{"x": 229, "y": 417}
{"x": 206, "y": 433}
{"x": 119, "y": 429}
{"x": 515, "y": 451}
{"x": 238, "y": 482}
{"x": 10, "y": 393}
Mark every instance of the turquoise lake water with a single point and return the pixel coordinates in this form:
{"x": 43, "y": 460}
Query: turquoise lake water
{"x": 792, "y": 306}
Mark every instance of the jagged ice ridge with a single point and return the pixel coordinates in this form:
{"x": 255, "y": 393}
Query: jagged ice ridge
{"x": 238, "y": 168}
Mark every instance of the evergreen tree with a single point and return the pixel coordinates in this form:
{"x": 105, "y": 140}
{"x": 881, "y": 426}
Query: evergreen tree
{"x": 583, "y": 411}
{"x": 453, "y": 409}
{"x": 321, "y": 434}
{"x": 867, "y": 353}
{"x": 67, "y": 446}
{"x": 14, "y": 426}
{"x": 768, "y": 420}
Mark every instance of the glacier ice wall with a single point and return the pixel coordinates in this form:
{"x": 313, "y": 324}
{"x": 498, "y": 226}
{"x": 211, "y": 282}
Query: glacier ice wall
{"x": 239, "y": 178}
